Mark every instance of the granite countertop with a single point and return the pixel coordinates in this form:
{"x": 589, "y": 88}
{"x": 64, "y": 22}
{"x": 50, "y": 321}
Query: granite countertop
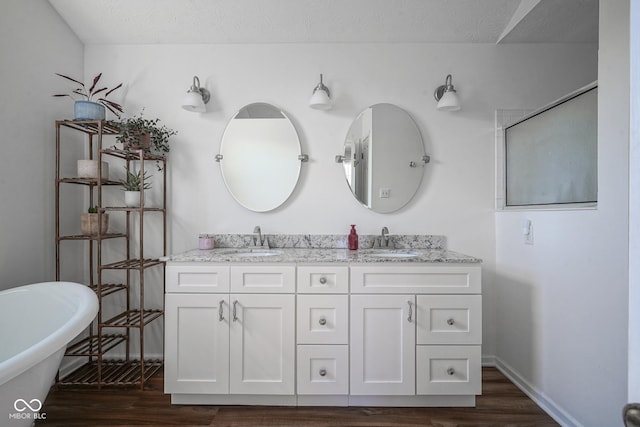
{"x": 339, "y": 255}
{"x": 324, "y": 249}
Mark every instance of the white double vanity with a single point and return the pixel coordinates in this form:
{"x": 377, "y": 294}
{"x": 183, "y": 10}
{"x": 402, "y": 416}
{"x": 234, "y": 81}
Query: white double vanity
{"x": 317, "y": 325}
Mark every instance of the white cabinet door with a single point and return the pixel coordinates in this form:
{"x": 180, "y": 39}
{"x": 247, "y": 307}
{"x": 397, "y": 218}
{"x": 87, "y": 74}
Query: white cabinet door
{"x": 323, "y": 319}
{"x": 323, "y": 279}
{"x": 262, "y": 340}
{"x": 323, "y": 369}
{"x": 196, "y": 343}
{"x": 449, "y": 369}
{"x": 449, "y": 319}
{"x": 383, "y": 345}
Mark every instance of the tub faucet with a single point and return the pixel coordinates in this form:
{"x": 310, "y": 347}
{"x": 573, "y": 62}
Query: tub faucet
{"x": 258, "y": 239}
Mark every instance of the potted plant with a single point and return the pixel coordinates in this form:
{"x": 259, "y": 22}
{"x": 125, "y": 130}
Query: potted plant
{"x": 140, "y": 133}
{"x": 92, "y": 106}
{"x": 132, "y": 185}
{"x": 89, "y": 222}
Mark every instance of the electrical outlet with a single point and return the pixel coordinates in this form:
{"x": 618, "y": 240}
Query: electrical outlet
{"x": 385, "y": 193}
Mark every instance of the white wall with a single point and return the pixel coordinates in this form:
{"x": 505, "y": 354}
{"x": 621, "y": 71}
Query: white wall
{"x": 562, "y": 320}
{"x": 457, "y": 195}
{"x": 27, "y": 114}
{"x": 634, "y": 208}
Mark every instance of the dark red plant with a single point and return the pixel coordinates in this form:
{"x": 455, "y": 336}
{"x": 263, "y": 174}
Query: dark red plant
{"x": 89, "y": 95}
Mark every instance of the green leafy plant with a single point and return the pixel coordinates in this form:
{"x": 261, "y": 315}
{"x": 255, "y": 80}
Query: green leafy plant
{"x": 95, "y": 93}
{"x": 133, "y": 129}
{"x": 135, "y": 181}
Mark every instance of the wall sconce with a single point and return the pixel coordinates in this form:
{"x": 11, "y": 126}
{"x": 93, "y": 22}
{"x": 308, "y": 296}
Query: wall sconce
{"x": 321, "y": 98}
{"x": 446, "y": 96}
{"x": 196, "y": 97}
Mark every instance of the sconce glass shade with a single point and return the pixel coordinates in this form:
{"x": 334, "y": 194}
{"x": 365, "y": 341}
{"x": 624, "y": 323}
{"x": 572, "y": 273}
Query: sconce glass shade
{"x": 196, "y": 97}
{"x": 193, "y": 102}
{"x": 446, "y": 96}
{"x": 321, "y": 98}
{"x": 449, "y": 101}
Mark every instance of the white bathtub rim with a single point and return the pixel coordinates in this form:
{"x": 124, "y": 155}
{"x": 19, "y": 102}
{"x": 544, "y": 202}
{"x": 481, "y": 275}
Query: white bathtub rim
{"x": 86, "y": 310}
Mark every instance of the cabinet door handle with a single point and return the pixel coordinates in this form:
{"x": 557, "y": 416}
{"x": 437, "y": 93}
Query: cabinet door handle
{"x": 410, "y": 318}
{"x": 322, "y": 321}
{"x": 451, "y": 371}
{"x": 450, "y": 322}
{"x": 235, "y": 313}
{"x": 323, "y": 280}
{"x": 221, "y": 310}
{"x": 323, "y": 372}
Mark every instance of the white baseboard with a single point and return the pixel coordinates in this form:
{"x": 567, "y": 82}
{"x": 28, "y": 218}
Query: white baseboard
{"x": 489, "y": 361}
{"x": 561, "y": 416}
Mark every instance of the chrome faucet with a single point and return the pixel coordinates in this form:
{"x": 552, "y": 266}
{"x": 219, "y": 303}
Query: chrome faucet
{"x": 384, "y": 237}
{"x": 258, "y": 240}
{"x": 383, "y": 240}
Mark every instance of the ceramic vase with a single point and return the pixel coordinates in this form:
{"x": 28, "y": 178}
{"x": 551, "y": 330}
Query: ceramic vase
{"x": 132, "y": 199}
{"x": 89, "y": 169}
{"x": 87, "y": 110}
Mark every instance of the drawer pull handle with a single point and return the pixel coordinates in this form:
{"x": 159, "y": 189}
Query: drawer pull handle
{"x": 221, "y": 310}
{"x": 410, "y": 318}
{"x": 235, "y": 313}
{"x": 450, "y": 322}
{"x": 323, "y": 372}
{"x": 451, "y": 371}
{"x": 322, "y": 321}
{"x": 323, "y": 280}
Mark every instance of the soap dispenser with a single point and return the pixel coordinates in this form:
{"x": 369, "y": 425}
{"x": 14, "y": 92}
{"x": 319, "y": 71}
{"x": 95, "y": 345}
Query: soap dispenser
{"x": 353, "y": 238}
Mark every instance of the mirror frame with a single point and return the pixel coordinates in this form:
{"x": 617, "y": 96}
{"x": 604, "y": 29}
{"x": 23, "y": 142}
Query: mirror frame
{"x": 360, "y": 163}
{"x": 241, "y": 183}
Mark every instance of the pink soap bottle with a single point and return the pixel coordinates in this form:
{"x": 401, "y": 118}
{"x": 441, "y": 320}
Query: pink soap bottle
{"x": 353, "y": 238}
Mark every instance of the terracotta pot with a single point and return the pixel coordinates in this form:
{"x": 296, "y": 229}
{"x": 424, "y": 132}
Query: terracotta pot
{"x": 142, "y": 143}
{"x": 89, "y": 224}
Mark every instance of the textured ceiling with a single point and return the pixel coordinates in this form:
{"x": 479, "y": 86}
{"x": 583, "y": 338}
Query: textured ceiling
{"x": 330, "y": 21}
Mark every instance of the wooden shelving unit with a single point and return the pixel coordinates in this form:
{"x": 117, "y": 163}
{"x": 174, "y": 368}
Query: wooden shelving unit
{"x": 107, "y": 356}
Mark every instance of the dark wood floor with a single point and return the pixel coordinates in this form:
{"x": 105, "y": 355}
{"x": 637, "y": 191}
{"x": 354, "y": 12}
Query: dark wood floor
{"x": 501, "y": 404}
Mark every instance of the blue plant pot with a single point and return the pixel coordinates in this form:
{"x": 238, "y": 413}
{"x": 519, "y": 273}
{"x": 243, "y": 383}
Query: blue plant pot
{"x": 87, "y": 110}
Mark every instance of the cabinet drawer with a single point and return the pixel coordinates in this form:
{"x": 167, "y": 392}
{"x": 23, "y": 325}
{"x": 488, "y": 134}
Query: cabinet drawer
{"x": 319, "y": 279}
{"x": 323, "y": 319}
{"x": 263, "y": 278}
{"x": 323, "y": 369}
{"x": 423, "y": 279}
{"x": 449, "y": 319}
{"x": 197, "y": 277}
{"x": 448, "y": 370}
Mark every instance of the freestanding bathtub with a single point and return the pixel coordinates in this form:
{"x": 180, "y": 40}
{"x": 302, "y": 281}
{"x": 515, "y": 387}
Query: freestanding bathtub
{"x": 36, "y": 324}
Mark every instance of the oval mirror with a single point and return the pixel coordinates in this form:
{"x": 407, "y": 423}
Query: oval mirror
{"x": 259, "y": 157}
{"x": 384, "y": 158}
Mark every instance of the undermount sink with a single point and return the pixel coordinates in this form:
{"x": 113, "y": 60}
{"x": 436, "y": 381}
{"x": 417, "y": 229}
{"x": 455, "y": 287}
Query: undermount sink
{"x": 392, "y": 254}
{"x": 255, "y": 253}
